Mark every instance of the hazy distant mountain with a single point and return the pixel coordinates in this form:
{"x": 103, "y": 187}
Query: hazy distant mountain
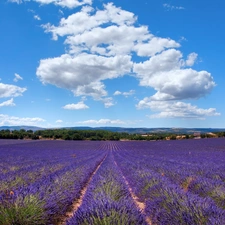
{"x": 127, "y": 130}
{"x": 152, "y": 130}
{"x": 21, "y": 127}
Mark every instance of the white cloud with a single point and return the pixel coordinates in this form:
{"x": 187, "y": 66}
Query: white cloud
{"x": 164, "y": 72}
{"x": 37, "y": 17}
{"x": 63, "y": 3}
{"x": 8, "y": 90}
{"x": 109, "y": 41}
{"x": 172, "y": 7}
{"x": 82, "y": 74}
{"x": 108, "y": 102}
{"x": 117, "y": 93}
{"x": 155, "y": 45}
{"x": 94, "y": 89}
{"x": 59, "y": 121}
{"x": 78, "y": 106}
{"x": 102, "y": 121}
{"x": 17, "y": 77}
{"x": 61, "y": 12}
{"x": 16, "y": 121}
{"x": 16, "y": 1}
{"x": 101, "y": 45}
{"x": 31, "y": 11}
{"x": 86, "y": 20}
{"x": 97, "y": 51}
{"x": 7, "y": 103}
{"x": 173, "y": 109}
{"x": 83, "y": 98}
{"x": 191, "y": 59}
{"x": 66, "y": 3}
{"x": 126, "y": 94}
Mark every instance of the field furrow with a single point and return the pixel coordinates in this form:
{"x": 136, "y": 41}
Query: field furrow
{"x": 78, "y": 201}
{"x": 107, "y": 200}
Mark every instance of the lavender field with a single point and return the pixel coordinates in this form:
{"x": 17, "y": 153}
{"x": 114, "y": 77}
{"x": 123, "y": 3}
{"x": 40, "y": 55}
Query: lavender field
{"x": 112, "y": 182}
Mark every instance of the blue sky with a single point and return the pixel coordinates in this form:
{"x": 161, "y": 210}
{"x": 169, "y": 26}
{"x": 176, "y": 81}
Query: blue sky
{"x": 139, "y": 63}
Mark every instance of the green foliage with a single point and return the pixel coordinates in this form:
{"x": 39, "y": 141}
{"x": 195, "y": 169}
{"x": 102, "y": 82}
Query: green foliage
{"x": 173, "y": 137}
{"x": 23, "y": 211}
{"x": 18, "y": 134}
{"x": 221, "y": 134}
{"x": 112, "y": 189}
{"x": 93, "y": 135}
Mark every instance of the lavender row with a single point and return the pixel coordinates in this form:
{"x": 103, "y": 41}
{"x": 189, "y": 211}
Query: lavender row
{"x": 107, "y": 199}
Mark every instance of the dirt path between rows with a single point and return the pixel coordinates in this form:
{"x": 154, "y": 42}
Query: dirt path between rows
{"x": 77, "y": 203}
{"x": 139, "y": 204}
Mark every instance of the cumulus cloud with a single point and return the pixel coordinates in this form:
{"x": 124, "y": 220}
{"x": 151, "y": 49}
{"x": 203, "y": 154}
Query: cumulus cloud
{"x": 175, "y": 109}
{"x": 191, "y": 59}
{"x": 172, "y": 7}
{"x": 117, "y": 93}
{"x": 164, "y": 72}
{"x": 59, "y": 121}
{"x": 102, "y": 121}
{"x": 155, "y": 45}
{"x": 77, "y": 106}
{"x": 16, "y": 121}
{"x": 8, "y": 90}
{"x": 94, "y": 89}
{"x": 126, "y": 94}
{"x": 16, "y": 1}
{"x": 82, "y": 74}
{"x": 66, "y": 3}
{"x": 63, "y": 3}
{"x": 7, "y": 103}
{"x": 108, "y": 41}
{"x": 37, "y": 17}
{"x": 101, "y": 45}
{"x": 108, "y": 102}
{"x": 86, "y": 20}
{"x": 17, "y": 77}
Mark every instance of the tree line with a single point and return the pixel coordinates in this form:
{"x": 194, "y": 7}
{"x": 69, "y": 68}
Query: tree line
{"x": 94, "y": 135}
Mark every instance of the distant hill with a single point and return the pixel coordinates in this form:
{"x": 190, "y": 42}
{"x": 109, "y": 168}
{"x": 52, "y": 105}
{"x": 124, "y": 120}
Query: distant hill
{"x": 123, "y": 129}
{"x": 21, "y": 127}
{"x": 151, "y": 130}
